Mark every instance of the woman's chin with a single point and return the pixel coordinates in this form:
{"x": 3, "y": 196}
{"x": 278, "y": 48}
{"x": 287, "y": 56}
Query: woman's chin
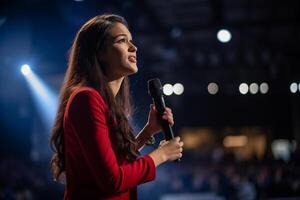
{"x": 129, "y": 68}
{"x": 133, "y": 69}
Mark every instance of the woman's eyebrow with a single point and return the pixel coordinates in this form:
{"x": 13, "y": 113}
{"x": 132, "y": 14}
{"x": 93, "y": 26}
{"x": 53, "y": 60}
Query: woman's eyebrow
{"x": 121, "y": 34}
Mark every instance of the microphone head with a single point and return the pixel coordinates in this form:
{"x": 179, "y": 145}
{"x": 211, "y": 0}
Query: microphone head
{"x": 155, "y": 88}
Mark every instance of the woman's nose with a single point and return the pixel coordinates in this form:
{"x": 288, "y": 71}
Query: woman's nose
{"x": 132, "y": 47}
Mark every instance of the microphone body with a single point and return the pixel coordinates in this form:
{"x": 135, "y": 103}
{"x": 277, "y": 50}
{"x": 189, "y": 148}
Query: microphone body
{"x": 155, "y": 91}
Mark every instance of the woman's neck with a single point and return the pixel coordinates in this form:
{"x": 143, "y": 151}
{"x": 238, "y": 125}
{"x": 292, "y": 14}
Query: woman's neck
{"x": 115, "y": 85}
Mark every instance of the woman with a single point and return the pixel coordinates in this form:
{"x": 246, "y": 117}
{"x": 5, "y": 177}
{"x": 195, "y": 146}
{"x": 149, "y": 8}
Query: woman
{"x": 93, "y": 142}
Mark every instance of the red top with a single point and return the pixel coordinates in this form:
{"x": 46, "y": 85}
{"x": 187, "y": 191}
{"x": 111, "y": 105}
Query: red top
{"x": 91, "y": 166}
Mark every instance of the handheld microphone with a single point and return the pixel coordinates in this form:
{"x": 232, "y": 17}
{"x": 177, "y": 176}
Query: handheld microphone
{"x": 155, "y": 91}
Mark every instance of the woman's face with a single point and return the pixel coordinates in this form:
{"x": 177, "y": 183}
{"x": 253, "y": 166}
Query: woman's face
{"x": 119, "y": 56}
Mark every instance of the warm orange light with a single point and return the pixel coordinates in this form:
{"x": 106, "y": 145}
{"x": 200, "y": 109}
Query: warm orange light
{"x": 235, "y": 141}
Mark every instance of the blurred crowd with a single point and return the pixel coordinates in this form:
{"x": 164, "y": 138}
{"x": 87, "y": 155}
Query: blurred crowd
{"x": 23, "y": 179}
{"x": 225, "y": 176}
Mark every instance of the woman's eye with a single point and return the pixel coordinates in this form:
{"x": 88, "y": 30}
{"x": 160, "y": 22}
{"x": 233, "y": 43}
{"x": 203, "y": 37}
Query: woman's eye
{"x": 122, "y": 40}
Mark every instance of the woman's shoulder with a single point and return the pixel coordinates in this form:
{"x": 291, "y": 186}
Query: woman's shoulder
{"x": 86, "y": 92}
{"x": 84, "y": 100}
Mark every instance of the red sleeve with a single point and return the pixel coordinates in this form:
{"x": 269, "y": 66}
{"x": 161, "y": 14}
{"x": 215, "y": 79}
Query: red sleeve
{"x": 87, "y": 116}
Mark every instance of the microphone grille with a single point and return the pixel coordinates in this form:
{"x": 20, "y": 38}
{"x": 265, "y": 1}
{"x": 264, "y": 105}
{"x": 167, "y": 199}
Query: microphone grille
{"x": 154, "y": 87}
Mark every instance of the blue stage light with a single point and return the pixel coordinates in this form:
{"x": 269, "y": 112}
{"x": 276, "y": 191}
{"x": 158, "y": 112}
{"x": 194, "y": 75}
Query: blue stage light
{"x": 45, "y": 99}
{"x": 25, "y": 69}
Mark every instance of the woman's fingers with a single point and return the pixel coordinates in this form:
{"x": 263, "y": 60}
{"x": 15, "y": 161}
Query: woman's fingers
{"x": 169, "y": 117}
{"x": 181, "y": 143}
{"x": 163, "y": 142}
{"x": 176, "y": 156}
{"x": 167, "y": 109}
{"x": 173, "y": 148}
{"x": 177, "y": 139}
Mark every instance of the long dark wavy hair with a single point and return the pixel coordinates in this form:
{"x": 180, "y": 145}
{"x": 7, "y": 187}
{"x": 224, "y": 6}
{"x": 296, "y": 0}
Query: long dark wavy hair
{"x": 85, "y": 69}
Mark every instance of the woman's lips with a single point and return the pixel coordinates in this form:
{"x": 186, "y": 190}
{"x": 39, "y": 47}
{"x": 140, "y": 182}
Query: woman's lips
{"x": 132, "y": 59}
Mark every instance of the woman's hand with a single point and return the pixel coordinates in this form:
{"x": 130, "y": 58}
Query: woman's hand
{"x": 153, "y": 125}
{"x": 167, "y": 151}
{"x": 154, "y": 120}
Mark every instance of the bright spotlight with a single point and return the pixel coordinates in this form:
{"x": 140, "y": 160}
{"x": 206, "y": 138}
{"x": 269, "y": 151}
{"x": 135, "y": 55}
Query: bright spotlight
{"x": 25, "y": 69}
{"x": 224, "y": 35}
{"x": 178, "y": 88}
{"x": 253, "y": 88}
{"x": 243, "y": 88}
{"x": 45, "y": 99}
{"x": 213, "y": 88}
{"x": 264, "y": 88}
{"x": 168, "y": 89}
{"x": 293, "y": 87}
